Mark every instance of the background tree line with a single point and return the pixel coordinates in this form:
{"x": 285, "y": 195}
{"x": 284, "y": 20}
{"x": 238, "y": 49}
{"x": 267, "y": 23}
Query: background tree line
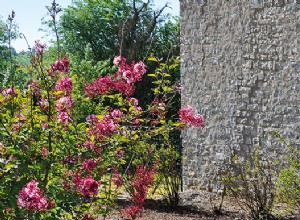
{"x": 99, "y": 30}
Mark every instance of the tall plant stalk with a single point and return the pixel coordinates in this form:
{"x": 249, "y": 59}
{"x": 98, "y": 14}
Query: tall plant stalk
{"x": 9, "y": 27}
{"x": 53, "y": 10}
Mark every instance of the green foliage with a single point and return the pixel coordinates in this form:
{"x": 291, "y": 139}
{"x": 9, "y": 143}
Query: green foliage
{"x": 8, "y": 33}
{"x": 68, "y": 128}
{"x": 169, "y": 173}
{"x": 36, "y": 145}
{"x": 252, "y": 182}
{"x": 128, "y": 27}
{"x": 289, "y": 176}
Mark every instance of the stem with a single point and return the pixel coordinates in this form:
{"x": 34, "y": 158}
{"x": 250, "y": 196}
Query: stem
{"x": 57, "y": 38}
{"x": 54, "y": 10}
{"x": 129, "y": 164}
{"x": 9, "y": 29}
{"x": 48, "y": 167}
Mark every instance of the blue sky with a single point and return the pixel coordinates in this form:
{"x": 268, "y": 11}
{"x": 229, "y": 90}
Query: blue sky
{"x": 30, "y": 12}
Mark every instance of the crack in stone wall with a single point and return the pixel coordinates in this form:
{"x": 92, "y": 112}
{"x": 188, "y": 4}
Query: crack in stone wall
{"x": 240, "y": 68}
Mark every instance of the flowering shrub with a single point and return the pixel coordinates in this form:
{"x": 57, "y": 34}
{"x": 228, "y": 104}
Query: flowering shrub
{"x": 44, "y": 140}
{"x": 81, "y": 141}
{"x": 31, "y": 197}
{"x": 138, "y": 184}
{"x": 189, "y": 117}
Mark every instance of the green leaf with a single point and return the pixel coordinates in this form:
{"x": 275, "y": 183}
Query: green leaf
{"x": 52, "y": 189}
{"x": 170, "y": 122}
{"x": 152, "y": 59}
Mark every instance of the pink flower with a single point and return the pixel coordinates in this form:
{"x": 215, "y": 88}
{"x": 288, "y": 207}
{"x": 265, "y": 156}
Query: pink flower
{"x": 31, "y": 197}
{"x": 118, "y": 60}
{"x": 44, "y": 151}
{"x": 135, "y": 73}
{"x": 188, "y": 116}
{"x": 103, "y": 128}
{"x": 90, "y": 145}
{"x": 89, "y": 186}
{"x": 120, "y": 154}
{"x": 124, "y": 87}
{"x": 44, "y": 104}
{"x": 133, "y": 211}
{"x": 89, "y": 164}
{"x": 133, "y": 101}
{"x": 64, "y": 103}
{"x": 63, "y": 117}
{"x": 116, "y": 114}
{"x": 101, "y": 86}
{"x": 71, "y": 159}
{"x": 35, "y": 88}
{"x": 77, "y": 179}
{"x": 65, "y": 84}
{"x": 45, "y": 125}
{"x": 61, "y": 65}
{"x": 11, "y": 91}
{"x": 129, "y": 76}
{"x": 91, "y": 119}
{"x": 158, "y": 108}
{"x": 117, "y": 179}
{"x": 140, "y": 70}
{"x": 131, "y": 73}
{"x": 139, "y": 184}
{"x": 39, "y": 48}
{"x": 136, "y": 121}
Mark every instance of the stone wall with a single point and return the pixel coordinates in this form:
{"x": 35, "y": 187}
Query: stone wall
{"x": 240, "y": 69}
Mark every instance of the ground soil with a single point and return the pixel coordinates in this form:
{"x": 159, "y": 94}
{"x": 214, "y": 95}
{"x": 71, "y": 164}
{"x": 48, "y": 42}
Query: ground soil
{"x": 201, "y": 206}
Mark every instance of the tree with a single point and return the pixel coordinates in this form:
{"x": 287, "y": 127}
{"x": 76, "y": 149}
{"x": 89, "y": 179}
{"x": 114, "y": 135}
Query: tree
{"x": 126, "y": 27}
{"x": 8, "y": 32}
{"x": 2, "y": 49}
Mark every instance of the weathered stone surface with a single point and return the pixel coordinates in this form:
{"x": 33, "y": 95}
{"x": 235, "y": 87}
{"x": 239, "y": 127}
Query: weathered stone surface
{"x": 240, "y": 68}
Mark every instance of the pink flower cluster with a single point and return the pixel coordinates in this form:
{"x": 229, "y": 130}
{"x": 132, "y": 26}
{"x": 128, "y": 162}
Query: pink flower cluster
{"x": 107, "y": 84}
{"x": 133, "y": 211}
{"x": 90, "y": 164}
{"x": 60, "y": 66}
{"x": 101, "y": 86}
{"x": 158, "y": 110}
{"x": 39, "y": 48}
{"x": 139, "y": 185}
{"x": 102, "y": 128}
{"x": 63, "y": 105}
{"x": 35, "y": 87}
{"x": 21, "y": 120}
{"x": 122, "y": 81}
{"x": 44, "y": 104}
{"x": 87, "y": 186}
{"x": 64, "y": 84}
{"x": 136, "y": 110}
{"x": 188, "y": 116}
{"x": 131, "y": 73}
{"x": 117, "y": 177}
{"x": 31, "y": 197}
{"x": 9, "y": 91}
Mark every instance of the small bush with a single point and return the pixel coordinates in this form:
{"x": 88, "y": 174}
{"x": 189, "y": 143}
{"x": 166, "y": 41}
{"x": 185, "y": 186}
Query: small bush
{"x": 289, "y": 177}
{"x": 251, "y": 181}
